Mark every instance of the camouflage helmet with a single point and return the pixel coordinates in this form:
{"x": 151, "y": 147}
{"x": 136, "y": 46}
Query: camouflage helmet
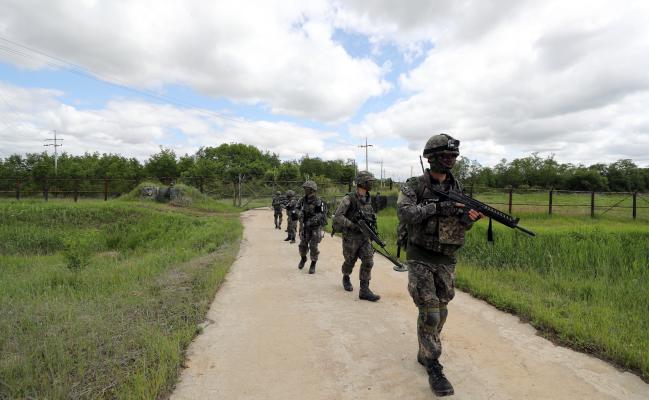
{"x": 441, "y": 143}
{"x": 290, "y": 193}
{"x": 364, "y": 179}
{"x": 438, "y": 149}
{"x": 310, "y": 185}
{"x": 278, "y": 193}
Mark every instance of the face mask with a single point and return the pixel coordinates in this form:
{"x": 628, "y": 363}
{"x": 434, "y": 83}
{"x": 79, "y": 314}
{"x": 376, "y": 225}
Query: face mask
{"x": 442, "y": 162}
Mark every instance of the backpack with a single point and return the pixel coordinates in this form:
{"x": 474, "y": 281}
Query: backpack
{"x": 336, "y": 227}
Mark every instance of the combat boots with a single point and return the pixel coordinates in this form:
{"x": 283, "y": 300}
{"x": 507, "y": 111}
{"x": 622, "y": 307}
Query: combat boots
{"x": 302, "y": 262}
{"x": 292, "y": 239}
{"x": 312, "y": 267}
{"x": 365, "y": 293}
{"x": 287, "y": 238}
{"x": 438, "y": 382}
{"x": 347, "y": 284}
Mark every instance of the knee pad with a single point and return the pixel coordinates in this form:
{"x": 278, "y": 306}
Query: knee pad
{"x": 430, "y": 317}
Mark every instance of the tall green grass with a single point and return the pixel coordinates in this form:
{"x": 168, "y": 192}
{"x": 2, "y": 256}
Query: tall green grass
{"x": 581, "y": 281}
{"x": 100, "y": 299}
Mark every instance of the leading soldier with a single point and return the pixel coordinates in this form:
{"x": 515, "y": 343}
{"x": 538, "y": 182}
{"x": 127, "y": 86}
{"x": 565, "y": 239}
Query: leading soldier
{"x": 313, "y": 216}
{"x": 355, "y": 244}
{"x": 435, "y": 231}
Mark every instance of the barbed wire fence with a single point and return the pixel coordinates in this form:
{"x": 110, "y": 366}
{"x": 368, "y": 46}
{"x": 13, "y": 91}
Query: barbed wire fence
{"x": 242, "y": 192}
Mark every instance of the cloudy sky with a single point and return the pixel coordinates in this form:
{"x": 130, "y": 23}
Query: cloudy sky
{"x": 317, "y": 77}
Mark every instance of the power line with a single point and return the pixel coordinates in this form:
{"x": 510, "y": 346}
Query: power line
{"x": 26, "y": 51}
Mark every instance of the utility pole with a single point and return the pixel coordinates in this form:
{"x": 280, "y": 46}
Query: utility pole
{"x": 381, "y": 173}
{"x": 56, "y": 154}
{"x": 366, "y": 146}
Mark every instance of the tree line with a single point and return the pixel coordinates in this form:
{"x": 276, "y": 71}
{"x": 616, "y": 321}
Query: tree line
{"x": 227, "y": 163}
{"x": 231, "y": 162}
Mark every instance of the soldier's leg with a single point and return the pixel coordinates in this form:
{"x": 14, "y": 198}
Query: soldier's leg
{"x": 303, "y": 248}
{"x": 313, "y": 249}
{"x": 421, "y": 286}
{"x": 445, "y": 289}
{"x": 366, "y": 254}
{"x": 279, "y": 220}
{"x": 350, "y": 255}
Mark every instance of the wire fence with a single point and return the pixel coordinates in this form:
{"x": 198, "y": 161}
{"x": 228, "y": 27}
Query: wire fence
{"x": 244, "y": 191}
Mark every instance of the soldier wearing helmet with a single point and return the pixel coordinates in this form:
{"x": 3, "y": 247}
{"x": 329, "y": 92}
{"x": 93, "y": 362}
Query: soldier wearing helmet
{"x": 435, "y": 231}
{"x": 355, "y": 244}
{"x": 278, "y": 203}
{"x": 313, "y": 216}
{"x": 292, "y": 215}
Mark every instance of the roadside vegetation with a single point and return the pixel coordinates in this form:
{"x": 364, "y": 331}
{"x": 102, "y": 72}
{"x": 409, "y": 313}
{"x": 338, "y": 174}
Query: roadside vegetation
{"x": 101, "y": 299}
{"x": 581, "y": 281}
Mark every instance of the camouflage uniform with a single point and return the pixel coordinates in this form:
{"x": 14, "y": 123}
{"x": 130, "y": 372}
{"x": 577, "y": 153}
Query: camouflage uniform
{"x": 292, "y": 215}
{"x": 313, "y": 216}
{"x": 433, "y": 238}
{"x": 278, "y": 202}
{"x": 433, "y": 229}
{"x": 355, "y": 244}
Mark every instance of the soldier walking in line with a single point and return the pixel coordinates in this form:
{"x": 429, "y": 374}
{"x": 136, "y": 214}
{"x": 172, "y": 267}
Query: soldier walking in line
{"x": 435, "y": 231}
{"x": 292, "y": 215}
{"x": 313, "y": 216}
{"x": 355, "y": 244}
{"x": 278, "y": 203}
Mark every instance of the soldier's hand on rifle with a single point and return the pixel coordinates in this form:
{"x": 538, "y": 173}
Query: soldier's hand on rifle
{"x": 448, "y": 208}
{"x": 475, "y": 215}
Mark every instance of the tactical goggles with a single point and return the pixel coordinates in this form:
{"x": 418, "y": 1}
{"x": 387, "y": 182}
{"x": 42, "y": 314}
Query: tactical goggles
{"x": 451, "y": 145}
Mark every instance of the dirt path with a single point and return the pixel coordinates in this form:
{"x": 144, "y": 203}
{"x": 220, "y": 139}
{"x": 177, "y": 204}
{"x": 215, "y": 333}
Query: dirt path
{"x": 275, "y": 332}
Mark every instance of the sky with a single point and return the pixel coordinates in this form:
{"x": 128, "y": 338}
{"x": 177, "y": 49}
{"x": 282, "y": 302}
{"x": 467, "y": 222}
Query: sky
{"x": 317, "y": 78}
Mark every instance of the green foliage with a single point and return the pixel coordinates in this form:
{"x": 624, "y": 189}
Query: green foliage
{"x": 100, "y": 300}
{"x": 162, "y": 165}
{"x": 580, "y": 280}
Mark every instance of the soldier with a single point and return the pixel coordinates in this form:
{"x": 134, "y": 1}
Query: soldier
{"x": 278, "y": 202}
{"x": 355, "y": 244}
{"x": 435, "y": 231}
{"x": 313, "y": 216}
{"x": 292, "y": 215}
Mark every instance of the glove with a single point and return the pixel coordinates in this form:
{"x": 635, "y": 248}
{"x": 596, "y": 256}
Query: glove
{"x": 447, "y": 208}
{"x": 430, "y": 209}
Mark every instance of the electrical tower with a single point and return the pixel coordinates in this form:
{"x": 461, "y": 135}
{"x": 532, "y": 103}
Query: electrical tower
{"x": 366, "y": 146}
{"x": 56, "y": 154}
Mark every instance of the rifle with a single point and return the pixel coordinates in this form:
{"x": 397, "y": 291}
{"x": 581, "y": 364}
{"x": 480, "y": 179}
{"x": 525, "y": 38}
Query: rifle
{"x": 485, "y": 209}
{"x": 368, "y": 227}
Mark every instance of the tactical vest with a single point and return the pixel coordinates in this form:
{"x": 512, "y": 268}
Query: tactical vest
{"x": 354, "y": 206}
{"x": 309, "y": 210}
{"x": 442, "y": 234}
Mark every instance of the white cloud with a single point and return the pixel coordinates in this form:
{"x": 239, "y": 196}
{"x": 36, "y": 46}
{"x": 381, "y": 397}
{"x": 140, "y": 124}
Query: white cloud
{"x": 558, "y": 78}
{"x": 137, "y": 129}
{"x": 277, "y": 53}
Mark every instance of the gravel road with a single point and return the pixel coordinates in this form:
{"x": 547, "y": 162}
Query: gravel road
{"x": 275, "y": 332}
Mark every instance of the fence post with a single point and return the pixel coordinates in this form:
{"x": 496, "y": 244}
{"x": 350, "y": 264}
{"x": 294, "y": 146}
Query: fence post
{"x": 76, "y": 190}
{"x": 635, "y": 208}
{"x": 200, "y": 184}
{"x": 471, "y": 191}
{"x": 592, "y": 204}
{"x": 105, "y": 188}
{"x": 511, "y": 192}
{"x": 550, "y": 202}
{"x": 17, "y": 188}
{"x": 46, "y": 189}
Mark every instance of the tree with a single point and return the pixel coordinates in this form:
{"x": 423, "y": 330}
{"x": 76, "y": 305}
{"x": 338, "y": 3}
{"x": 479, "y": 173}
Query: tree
{"x": 162, "y": 165}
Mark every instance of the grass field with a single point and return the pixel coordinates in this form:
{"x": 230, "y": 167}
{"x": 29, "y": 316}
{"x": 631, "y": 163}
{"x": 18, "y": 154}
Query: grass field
{"x": 581, "y": 281}
{"x": 100, "y": 299}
